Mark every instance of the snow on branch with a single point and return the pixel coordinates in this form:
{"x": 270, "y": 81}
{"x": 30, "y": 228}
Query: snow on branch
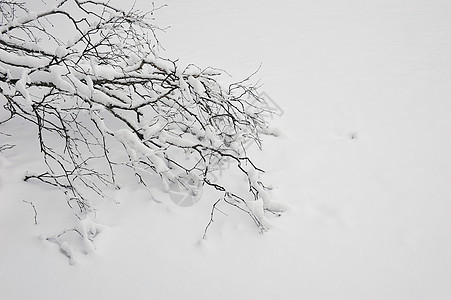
{"x": 106, "y": 85}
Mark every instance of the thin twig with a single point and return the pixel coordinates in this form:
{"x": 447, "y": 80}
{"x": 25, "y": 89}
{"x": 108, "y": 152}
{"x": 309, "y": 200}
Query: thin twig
{"x": 35, "y": 211}
{"x": 211, "y": 217}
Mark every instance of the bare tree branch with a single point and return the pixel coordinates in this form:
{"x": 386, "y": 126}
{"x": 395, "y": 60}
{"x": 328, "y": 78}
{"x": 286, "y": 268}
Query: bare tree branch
{"x": 105, "y": 86}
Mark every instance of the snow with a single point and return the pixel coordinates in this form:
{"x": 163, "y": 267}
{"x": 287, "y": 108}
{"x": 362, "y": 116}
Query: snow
{"x": 17, "y": 60}
{"x": 132, "y": 142}
{"x": 175, "y": 140}
{"x": 197, "y": 85}
{"x": 256, "y": 207}
{"x": 107, "y": 72}
{"x": 166, "y": 66}
{"x": 185, "y": 90}
{"x": 363, "y": 160}
{"x": 21, "y": 87}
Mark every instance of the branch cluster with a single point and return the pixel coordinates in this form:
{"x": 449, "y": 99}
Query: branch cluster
{"x": 107, "y": 85}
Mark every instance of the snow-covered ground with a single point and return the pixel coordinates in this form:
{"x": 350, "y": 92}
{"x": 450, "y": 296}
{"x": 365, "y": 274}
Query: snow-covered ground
{"x": 364, "y": 162}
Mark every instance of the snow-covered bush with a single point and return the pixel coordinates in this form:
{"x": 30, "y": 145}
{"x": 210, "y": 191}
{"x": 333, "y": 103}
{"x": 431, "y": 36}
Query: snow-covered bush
{"x": 90, "y": 77}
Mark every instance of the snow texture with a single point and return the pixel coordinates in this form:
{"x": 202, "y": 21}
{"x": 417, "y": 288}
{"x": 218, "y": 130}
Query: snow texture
{"x": 364, "y": 162}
